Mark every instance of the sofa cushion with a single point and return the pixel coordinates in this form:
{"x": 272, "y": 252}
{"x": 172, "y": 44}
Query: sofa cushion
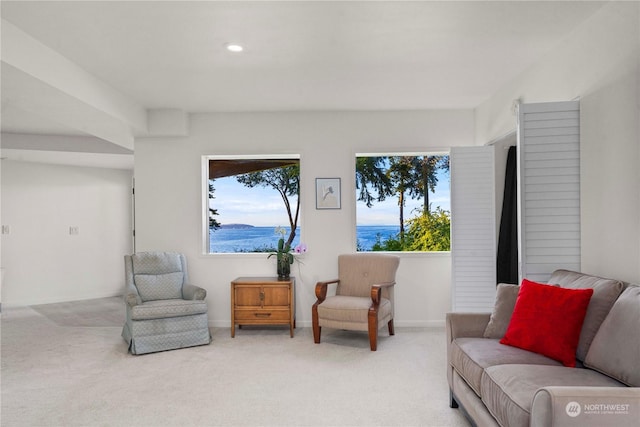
{"x": 470, "y": 356}
{"x": 548, "y": 320}
{"x": 615, "y": 350}
{"x": 167, "y": 308}
{"x": 605, "y": 293}
{"x": 159, "y": 286}
{"x": 508, "y": 390}
{"x": 506, "y": 296}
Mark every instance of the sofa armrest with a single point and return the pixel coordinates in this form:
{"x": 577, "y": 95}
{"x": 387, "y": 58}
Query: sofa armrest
{"x": 193, "y": 292}
{"x": 466, "y": 325}
{"x": 463, "y": 325}
{"x": 560, "y": 406}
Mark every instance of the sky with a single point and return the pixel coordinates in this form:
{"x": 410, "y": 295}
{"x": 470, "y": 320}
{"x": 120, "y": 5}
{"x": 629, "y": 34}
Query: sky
{"x": 234, "y": 206}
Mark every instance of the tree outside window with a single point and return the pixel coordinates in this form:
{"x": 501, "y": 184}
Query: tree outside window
{"x": 249, "y": 198}
{"x": 403, "y": 202}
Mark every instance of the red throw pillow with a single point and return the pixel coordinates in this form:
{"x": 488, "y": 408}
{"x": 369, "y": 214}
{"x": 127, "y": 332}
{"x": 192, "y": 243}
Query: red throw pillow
{"x": 548, "y": 320}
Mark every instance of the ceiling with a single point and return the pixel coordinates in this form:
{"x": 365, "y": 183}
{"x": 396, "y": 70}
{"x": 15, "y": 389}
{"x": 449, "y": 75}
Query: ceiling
{"x": 299, "y": 55}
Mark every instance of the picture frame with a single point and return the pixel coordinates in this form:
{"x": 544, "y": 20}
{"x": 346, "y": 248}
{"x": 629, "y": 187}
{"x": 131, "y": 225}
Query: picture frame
{"x": 328, "y": 194}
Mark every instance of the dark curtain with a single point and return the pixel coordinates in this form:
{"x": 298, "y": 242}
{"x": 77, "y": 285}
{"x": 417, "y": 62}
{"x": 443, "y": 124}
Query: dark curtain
{"x": 507, "y": 265}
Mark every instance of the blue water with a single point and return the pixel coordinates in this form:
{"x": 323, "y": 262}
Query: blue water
{"x": 230, "y": 240}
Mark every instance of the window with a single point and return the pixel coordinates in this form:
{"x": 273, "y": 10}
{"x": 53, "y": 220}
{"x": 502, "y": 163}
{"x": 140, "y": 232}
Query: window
{"x": 247, "y": 198}
{"x": 403, "y": 202}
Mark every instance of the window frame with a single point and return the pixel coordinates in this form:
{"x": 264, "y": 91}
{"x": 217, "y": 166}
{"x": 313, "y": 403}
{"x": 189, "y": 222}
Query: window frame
{"x": 204, "y": 195}
{"x": 435, "y": 151}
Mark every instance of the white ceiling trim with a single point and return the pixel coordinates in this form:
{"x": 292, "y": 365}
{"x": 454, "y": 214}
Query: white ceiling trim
{"x": 66, "y": 93}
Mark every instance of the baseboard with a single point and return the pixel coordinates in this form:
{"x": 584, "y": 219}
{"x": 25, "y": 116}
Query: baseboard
{"x": 307, "y": 324}
{"x": 26, "y": 303}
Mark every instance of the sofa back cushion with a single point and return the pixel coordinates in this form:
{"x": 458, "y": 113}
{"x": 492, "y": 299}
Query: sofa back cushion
{"x": 615, "y": 350}
{"x": 605, "y": 294}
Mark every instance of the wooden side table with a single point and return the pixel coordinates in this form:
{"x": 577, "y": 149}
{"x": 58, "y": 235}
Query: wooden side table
{"x": 262, "y": 301}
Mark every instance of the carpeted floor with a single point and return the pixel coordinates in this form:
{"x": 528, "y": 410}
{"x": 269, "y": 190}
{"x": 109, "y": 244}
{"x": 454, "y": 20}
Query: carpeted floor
{"x": 66, "y": 365}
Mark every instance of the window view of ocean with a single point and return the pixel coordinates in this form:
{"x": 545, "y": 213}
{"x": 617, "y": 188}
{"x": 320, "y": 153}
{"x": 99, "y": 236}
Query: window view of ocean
{"x": 248, "y": 238}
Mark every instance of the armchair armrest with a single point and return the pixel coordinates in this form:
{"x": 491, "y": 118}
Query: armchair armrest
{"x": 321, "y": 289}
{"x": 193, "y": 292}
{"x": 131, "y": 296}
{"x": 132, "y": 300}
{"x": 585, "y": 406}
{"x": 376, "y": 291}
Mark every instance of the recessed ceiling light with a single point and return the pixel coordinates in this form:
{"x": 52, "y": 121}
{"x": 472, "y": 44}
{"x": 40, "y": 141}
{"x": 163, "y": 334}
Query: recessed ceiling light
{"x": 234, "y": 47}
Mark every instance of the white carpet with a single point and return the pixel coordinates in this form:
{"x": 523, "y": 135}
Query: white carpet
{"x": 56, "y": 371}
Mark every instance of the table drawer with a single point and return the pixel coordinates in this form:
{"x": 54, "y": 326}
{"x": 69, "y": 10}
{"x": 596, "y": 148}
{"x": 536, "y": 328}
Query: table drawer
{"x": 267, "y": 315}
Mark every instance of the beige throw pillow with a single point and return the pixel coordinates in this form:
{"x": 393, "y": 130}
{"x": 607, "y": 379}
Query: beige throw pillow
{"x": 506, "y": 296}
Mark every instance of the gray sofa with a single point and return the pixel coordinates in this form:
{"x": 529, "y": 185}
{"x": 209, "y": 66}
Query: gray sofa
{"x": 499, "y": 385}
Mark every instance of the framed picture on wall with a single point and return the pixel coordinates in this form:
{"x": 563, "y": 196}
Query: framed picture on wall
{"x": 328, "y": 193}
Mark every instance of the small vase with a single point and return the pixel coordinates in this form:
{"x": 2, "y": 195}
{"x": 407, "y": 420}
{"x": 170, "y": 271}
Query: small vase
{"x": 284, "y": 268}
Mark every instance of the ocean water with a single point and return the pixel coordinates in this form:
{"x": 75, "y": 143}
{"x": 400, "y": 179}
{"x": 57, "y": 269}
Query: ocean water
{"x": 230, "y": 240}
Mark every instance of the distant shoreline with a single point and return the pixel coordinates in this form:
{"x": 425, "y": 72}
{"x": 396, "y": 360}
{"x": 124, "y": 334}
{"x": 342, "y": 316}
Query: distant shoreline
{"x": 239, "y": 237}
{"x": 237, "y": 226}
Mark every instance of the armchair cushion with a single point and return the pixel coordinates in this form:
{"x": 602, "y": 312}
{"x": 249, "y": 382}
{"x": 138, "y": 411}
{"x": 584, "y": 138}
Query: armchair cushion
{"x": 156, "y": 262}
{"x": 167, "y": 308}
{"x": 159, "y": 286}
{"x": 351, "y": 309}
{"x": 357, "y": 272}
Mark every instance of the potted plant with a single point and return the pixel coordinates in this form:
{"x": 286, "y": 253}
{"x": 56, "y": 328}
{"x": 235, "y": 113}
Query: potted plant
{"x": 284, "y": 256}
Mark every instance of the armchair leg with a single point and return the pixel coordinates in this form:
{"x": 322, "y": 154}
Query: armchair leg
{"x": 390, "y": 325}
{"x": 373, "y": 329}
{"x": 316, "y": 324}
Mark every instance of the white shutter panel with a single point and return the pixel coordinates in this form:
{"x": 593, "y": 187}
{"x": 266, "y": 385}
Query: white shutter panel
{"x": 549, "y": 188}
{"x": 473, "y": 234}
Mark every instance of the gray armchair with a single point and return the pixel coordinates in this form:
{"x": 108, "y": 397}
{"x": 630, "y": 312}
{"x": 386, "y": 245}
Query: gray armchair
{"x": 363, "y": 299}
{"x": 164, "y": 311}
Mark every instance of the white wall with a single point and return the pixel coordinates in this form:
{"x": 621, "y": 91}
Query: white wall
{"x": 169, "y": 197}
{"x": 598, "y": 63}
{"x": 42, "y": 262}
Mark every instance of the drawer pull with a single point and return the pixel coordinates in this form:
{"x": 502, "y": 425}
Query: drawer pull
{"x": 262, "y": 314}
